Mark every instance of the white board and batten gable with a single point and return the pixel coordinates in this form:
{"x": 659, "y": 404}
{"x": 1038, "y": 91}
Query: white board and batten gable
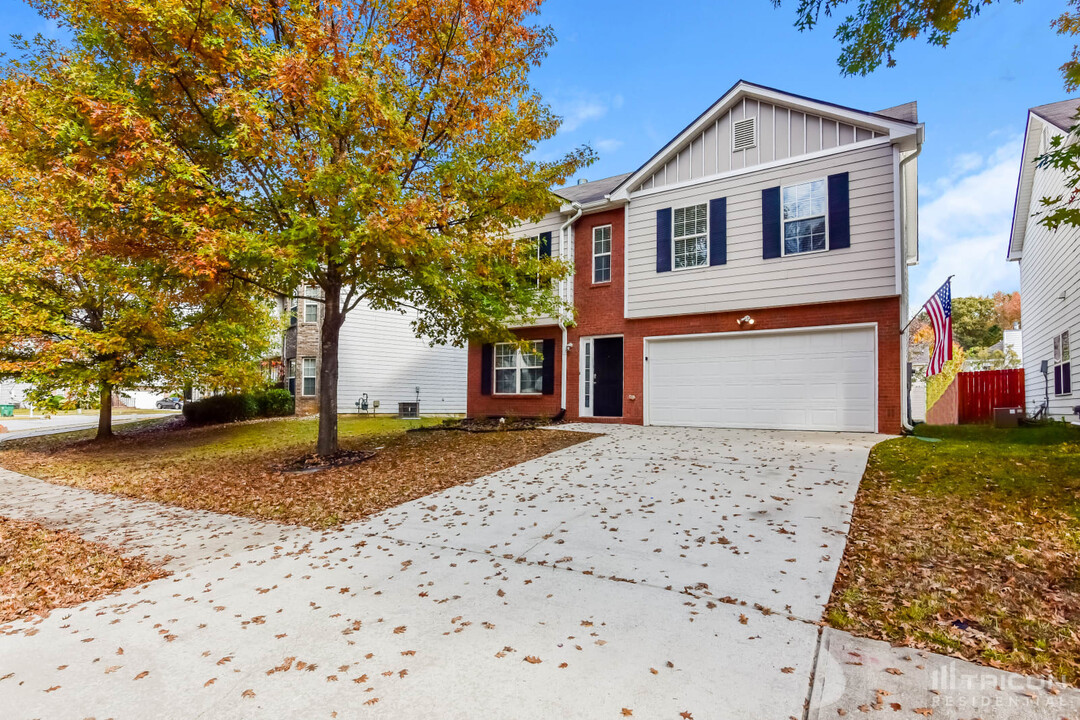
{"x": 1049, "y": 269}
{"x": 755, "y": 138}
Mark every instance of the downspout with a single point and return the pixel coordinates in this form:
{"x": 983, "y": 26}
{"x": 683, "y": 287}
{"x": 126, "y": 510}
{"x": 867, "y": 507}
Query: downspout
{"x": 906, "y": 420}
{"x": 563, "y": 243}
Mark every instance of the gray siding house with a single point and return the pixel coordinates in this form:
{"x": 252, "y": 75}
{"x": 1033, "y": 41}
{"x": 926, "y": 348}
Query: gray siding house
{"x": 1049, "y": 270}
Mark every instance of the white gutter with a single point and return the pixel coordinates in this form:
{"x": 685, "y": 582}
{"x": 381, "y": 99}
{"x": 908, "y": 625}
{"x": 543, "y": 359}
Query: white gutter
{"x": 905, "y": 397}
{"x": 563, "y": 243}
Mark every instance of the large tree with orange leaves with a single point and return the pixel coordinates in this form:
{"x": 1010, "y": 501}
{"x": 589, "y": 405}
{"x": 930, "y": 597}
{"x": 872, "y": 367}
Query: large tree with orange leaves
{"x": 106, "y": 282}
{"x": 376, "y": 149}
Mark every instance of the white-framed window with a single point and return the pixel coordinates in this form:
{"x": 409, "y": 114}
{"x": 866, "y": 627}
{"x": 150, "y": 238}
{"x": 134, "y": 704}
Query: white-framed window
{"x": 309, "y": 376}
{"x": 690, "y": 236}
{"x": 601, "y": 254}
{"x": 804, "y": 217}
{"x": 519, "y": 373}
{"x": 293, "y": 306}
{"x": 311, "y": 306}
{"x": 1062, "y": 365}
{"x": 292, "y": 375}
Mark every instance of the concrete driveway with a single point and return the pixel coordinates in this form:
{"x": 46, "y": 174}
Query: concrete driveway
{"x": 646, "y": 573}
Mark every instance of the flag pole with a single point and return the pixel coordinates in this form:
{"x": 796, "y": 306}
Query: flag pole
{"x": 924, "y": 304}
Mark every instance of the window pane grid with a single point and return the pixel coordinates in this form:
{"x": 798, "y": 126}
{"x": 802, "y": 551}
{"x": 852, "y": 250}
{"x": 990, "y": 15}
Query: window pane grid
{"x": 804, "y": 217}
{"x": 602, "y": 254}
{"x": 691, "y": 247}
{"x": 519, "y": 372}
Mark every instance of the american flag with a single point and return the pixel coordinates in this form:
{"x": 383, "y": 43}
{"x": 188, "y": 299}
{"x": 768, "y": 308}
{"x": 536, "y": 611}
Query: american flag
{"x": 939, "y": 308}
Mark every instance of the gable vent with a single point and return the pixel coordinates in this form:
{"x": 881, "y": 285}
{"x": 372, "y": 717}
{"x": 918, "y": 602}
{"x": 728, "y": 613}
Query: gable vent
{"x": 744, "y": 134}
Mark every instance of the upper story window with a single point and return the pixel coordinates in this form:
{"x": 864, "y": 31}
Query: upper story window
{"x": 804, "y": 217}
{"x": 1062, "y": 365}
{"x": 691, "y": 236}
{"x": 519, "y": 372}
{"x": 601, "y": 254}
{"x": 311, "y": 306}
{"x": 292, "y": 309}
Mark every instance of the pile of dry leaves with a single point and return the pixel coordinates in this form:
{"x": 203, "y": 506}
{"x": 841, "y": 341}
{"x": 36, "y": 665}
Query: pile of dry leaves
{"x": 211, "y": 469}
{"x": 970, "y": 549}
{"x": 43, "y": 569}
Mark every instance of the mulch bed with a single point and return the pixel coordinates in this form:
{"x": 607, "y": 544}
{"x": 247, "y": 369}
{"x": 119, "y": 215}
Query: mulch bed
{"x": 43, "y": 569}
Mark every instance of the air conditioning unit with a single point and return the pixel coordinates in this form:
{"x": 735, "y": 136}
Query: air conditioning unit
{"x": 408, "y": 410}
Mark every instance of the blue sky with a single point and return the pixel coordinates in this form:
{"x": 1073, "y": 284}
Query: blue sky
{"x": 628, "y": 75}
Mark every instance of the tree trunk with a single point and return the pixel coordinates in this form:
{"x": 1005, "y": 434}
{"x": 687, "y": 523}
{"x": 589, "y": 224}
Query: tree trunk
{"x": 328, "y": 372}
{"x": 104, "y": 428}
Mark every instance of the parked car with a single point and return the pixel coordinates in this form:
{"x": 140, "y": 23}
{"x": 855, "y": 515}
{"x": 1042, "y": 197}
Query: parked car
{"x": 172, "y": 403}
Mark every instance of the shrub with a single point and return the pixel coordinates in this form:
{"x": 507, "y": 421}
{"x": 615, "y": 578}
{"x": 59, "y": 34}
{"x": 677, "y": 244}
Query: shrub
{"x": 222, "y": 409}
{"x": 272, "y": 402}
{"x": 275, "y": 402}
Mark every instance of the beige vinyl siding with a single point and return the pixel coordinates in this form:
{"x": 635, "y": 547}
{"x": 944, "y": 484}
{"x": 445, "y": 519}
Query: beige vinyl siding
{"x": 549, "y": 223}
{"x": 380, "y": 355}
{"x": 866, "y": 269}
{"x": 782, "y": 132}
{"x": 1051, "y": 263}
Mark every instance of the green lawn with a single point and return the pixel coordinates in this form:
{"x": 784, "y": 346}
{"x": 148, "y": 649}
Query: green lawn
{"x": 970, "y": 546}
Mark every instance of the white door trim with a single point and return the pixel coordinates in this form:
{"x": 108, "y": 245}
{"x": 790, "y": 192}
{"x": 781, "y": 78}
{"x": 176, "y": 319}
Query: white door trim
{"x": 647, "y": 341}
{"x": 582, "y": 410}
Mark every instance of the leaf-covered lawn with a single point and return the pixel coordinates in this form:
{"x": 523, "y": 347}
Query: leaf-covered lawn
{"x": 235, "y": 468}
{"x": 43, "y": 569}
{"x": 970, "y": 546}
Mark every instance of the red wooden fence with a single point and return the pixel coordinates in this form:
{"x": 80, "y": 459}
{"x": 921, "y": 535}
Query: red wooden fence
{"x": 981, "y": 392}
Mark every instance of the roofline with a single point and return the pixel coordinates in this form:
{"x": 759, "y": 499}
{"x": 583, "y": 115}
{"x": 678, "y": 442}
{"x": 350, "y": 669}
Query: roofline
{"x": 885, "y": 121}
{"x": 1009, "y": 256}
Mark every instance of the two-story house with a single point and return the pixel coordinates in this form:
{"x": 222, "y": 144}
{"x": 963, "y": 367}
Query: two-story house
{"x": 379, "y": 355}
{"x": 751, "y": 274}
{"x": 1049, "y": 268}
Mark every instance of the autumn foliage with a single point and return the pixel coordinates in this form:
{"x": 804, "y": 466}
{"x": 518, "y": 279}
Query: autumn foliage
{"x": 378, "y": 150}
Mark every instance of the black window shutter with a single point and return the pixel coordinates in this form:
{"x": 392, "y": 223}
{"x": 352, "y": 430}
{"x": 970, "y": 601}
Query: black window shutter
{"x": 770, "y": 223}
{"x": 718, "y": 231}
{"x": 663, "y": 240}
{"x": 839, "y": 212}
{"x": 487, "y": 363}
{"x": 549, "y": 367}
{"x": 545, "y": 245}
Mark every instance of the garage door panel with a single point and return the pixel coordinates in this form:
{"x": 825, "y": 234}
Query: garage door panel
{"x": 807, "y": 380}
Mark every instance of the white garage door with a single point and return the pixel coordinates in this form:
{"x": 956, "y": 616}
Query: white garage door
{"x": 805, "y": 380}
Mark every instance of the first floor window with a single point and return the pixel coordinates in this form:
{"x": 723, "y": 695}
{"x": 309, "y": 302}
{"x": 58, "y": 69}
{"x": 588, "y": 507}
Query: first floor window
{"x": 311, "y": 306}
{"x": 601, "y": 254}
{"x": 309, "y": 376}
{"x": 292, "y": 375}
{"x": 1062, "y": 365}
{"x": 804, "y": 217}
{"x": 691, "y": 233}
{"x": 518, "y": 372}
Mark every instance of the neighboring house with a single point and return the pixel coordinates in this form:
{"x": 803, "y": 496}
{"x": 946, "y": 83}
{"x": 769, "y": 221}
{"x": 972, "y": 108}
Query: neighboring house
{"x": 378, "y": 354}
{"x": 752, "y": 273}
{"x": 12, "y": 392}
{"x": 1049, "y": 262}
{"x": 1005, "y": 353}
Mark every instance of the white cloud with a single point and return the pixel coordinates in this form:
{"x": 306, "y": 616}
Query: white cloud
{"x": 608, "y": 144}
{"x": 964, "y": 223}
{"x": 579, "y": 108}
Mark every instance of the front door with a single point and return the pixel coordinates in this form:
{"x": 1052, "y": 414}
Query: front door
{"x": 608, "y": 377}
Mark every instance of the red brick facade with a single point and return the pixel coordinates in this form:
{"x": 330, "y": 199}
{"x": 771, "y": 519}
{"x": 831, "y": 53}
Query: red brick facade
{"x": 600, "y": 311}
